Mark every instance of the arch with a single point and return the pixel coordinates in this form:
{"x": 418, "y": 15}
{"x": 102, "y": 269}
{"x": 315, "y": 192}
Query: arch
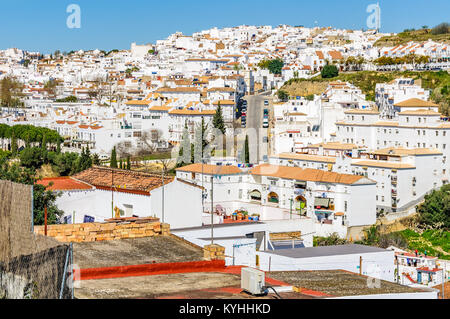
{"x": 273, "y": 198}
{"x": 300, "y": 203}
{"x": 255, "y": 195}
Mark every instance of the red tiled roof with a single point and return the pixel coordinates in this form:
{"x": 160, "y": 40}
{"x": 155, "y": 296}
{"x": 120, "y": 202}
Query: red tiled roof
{"x": 63, "y": 184}
{"x": 124, "y": 181}
{"x": 210, "y": 169}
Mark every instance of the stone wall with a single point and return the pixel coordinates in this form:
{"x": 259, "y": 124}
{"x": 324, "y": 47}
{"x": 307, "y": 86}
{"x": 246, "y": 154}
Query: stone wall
{"x": 90, "y": 232}
{"x": 214, "y": 252}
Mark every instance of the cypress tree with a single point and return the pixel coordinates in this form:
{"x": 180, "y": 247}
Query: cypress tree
{"x": 113, "y": 158}
{"x": 128, "y": 163}
{"x": 184, "y": 156}
{"x": 218, "y": 121}
{"x": 14, "y": 146}
{"x": 246, "y": 151}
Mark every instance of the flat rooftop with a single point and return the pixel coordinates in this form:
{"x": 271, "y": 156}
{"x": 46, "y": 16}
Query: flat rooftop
{"x": 337, "y": 283}
{"x": 127, "y": 252}
{"x": 326, "y": 251}
{"x": 205, "y": 285}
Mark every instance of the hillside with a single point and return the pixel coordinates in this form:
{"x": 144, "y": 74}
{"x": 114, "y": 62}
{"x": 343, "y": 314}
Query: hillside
{"x": 438, "y": 82}
{"x": 416, "y": 36}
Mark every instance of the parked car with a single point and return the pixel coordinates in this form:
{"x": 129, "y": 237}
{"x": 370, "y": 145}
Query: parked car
{"x": 244, "y": 103}
{"x": 266, "y": 112}
{"x": 266, "y": 102}
{"x": 265, "y": 123}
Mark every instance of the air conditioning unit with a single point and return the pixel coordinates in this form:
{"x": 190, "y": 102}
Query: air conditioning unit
{"x": 253, "y": 281}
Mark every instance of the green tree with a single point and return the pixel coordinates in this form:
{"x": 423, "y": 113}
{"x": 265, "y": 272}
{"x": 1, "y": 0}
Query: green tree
{"x": 246, "y": 151}
{"x": 128, "y": 163}
{"x": 113, "y": 160}
{"x": 32, "y": 157}
{"x": 283, "y": 95}
{"x": 14, "y": 146}
{"x": 184, "y": 155}
{"x": 329, "y": 71}
{"x": 275, "y": 66}
{"x": 96, "y": 159}
{"x": 218, "y": 121}
{"x": 199, "y": 147}
{"x": 44, "y": 198}
{"x": 435, "y": 211}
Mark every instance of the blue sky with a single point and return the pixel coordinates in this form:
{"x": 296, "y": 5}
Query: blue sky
{"x": 40, "y": 25}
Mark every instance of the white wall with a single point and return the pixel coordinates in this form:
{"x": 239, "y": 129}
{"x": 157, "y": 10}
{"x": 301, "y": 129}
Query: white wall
{"x": 182, "y": 205}
{"x": 384, "y": 260}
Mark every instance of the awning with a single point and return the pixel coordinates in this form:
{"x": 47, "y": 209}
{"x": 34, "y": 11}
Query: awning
{"x": 255, "y": 194}
{"x": 324, "y": 202}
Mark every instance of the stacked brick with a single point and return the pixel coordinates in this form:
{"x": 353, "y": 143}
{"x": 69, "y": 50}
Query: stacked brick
{"x": 90, "y": 232}
{"x": 214, "y": 252}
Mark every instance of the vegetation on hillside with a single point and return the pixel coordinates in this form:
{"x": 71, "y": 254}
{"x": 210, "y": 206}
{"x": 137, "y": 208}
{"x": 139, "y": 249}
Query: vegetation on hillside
{"x": 439, "y": 33}
{"x": 434, "y": 212}
{"x": 434, "y": 243}
{"x": 39, "y": 150}
{"x": 329, "y": 71}
{"x": 407, "y": 59}
{"x": 274, "y": 66}
{"x": 437, "y": 82}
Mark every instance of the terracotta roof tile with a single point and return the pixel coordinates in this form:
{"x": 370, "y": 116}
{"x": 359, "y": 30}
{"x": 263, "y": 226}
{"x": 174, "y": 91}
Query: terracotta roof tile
{"x": 210, "y": 169}
{"x": 130, "y": 181}
{"x": 312, "y": 175}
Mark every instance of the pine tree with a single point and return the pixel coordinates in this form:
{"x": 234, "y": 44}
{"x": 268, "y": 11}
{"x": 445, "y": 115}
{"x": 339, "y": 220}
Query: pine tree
{"x": 128, "y": 163}
{"x": 113, "y": 158}
{"x": 218, "y": 121}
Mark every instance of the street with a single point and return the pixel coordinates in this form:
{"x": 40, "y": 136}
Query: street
{"x": 258, "y": 149}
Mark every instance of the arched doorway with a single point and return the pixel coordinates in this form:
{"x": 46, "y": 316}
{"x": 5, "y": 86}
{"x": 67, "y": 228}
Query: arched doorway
{"x": 255, "y": 195}
{"x": 300, "y": 204}
{"x": 273, "y": 198}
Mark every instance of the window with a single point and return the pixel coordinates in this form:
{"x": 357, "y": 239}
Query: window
{"x": 88, "y": 219}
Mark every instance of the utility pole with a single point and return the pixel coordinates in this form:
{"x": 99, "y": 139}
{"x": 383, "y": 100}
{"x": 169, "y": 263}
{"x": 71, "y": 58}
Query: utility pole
{"x": 212, "y": 209}
{"x": 290, "y": 215}
{"x": 163, "y": 193}
{"x": 45, "y": 220}
{"x": 112, "y": 193}
{"x": 444, "y": 277}
{"x": 360, "y": 265}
